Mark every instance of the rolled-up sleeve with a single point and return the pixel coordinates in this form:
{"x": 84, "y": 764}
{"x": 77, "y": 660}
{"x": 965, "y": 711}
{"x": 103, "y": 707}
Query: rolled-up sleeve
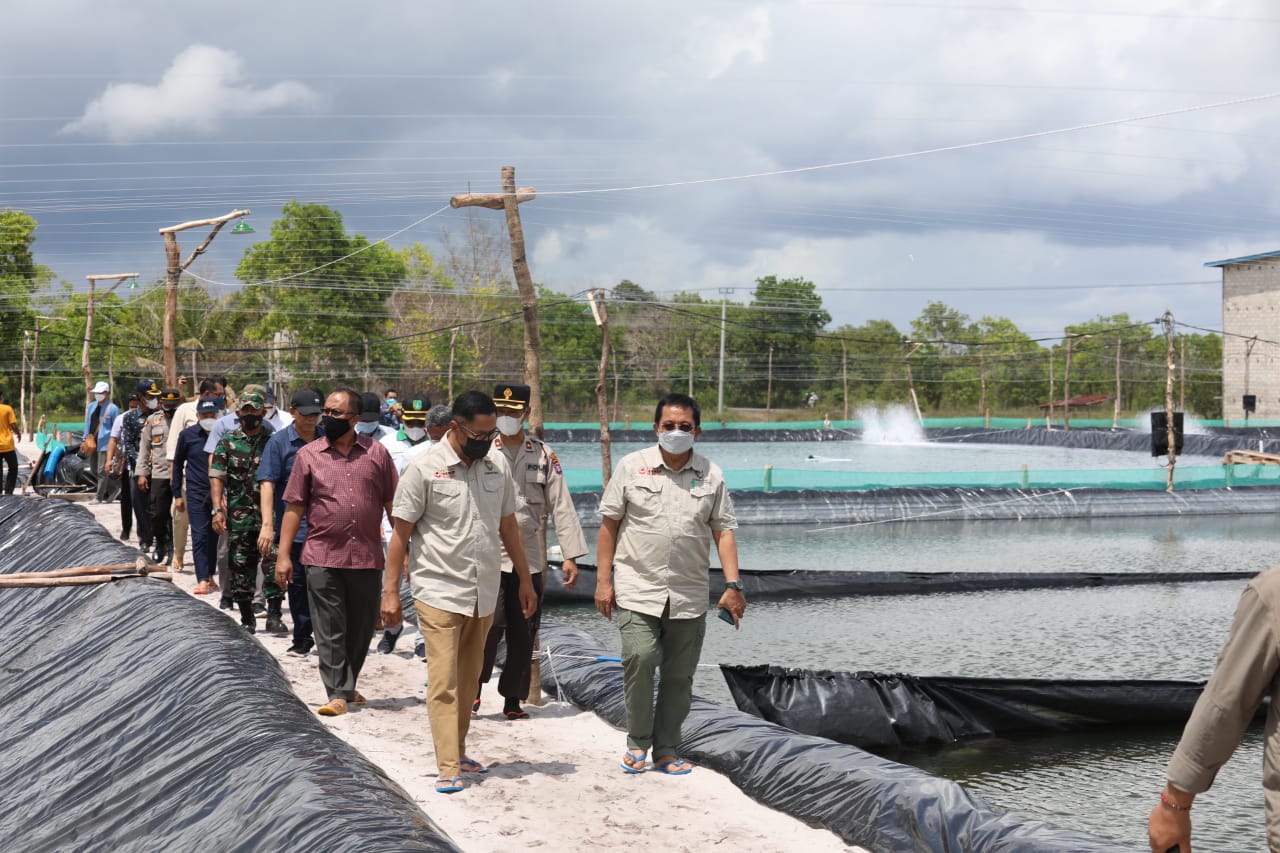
{"x": 1244, "y": 674}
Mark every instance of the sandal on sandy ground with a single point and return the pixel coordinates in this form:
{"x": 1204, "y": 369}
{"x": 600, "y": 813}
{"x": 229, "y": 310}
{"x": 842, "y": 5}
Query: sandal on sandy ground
{"x": 470, "y": 765}
{"x": 445, "y": 785}
{"x": 203, "y": 588}
{"x": 633, "y": 760}
{"x": 358, "y": 699}
{"x": 333, "y": 708}
{"x": 673, "y": 766}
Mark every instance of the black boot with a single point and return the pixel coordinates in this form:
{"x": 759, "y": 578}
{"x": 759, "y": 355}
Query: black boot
{"x": 247, "y": 619}
{"x": 275, "y": 624}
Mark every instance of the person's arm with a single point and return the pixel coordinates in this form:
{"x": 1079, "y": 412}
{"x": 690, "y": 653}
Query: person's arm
{"x": 573, "y": 544}
{"x": 732, "y": 600}
{"x": 177, "y": 472}
{"x": 219, "y": 462}
{"x": 289, "y": 527}
{"x": 1248, "y": 664}
{"x": 509, "y": 532}
{"x": 267, "y": 506}
{"x": 144, "y": 458}
{"x": 397, "y": 559}
{"x": 112, "y": 447}
{"x": 606, "y": 545}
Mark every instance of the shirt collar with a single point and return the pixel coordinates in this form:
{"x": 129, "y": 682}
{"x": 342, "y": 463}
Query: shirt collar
{"x": 653, "y": 459}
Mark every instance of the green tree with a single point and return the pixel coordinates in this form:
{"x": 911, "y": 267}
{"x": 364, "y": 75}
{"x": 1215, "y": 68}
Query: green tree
{"x": 20, "y": 278}
{"x": 328, "y": 290}
{"x": 784, "y": 316}
{"x": 942, "y": 333}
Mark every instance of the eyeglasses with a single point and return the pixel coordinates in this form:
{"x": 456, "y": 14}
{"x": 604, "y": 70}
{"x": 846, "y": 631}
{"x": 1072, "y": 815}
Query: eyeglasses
{"x": 336, "y": 413}
{"x": 477, "y": 436}
{"x": 683, "y": 426}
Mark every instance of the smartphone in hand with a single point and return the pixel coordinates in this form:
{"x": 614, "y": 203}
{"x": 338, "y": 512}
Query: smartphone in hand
{"x": 726, "y": 616}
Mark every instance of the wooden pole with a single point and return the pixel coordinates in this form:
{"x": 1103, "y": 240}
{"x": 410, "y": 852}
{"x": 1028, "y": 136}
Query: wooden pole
{"x": 982, "y": 373}
{"x": 1182, "y": 373}
{"x": 1170, "y": 432}
{"x": 509, "y": 201}
{"x": 7, "y": 582}
{"x": 1066, "y": 389}
{"x": 174, "y": 267}
{"x": 1048, "y": 418}
{"x": 844, "y": 374}
{"x": 88, "y": 320}
{"x": 689, "y": 342}
{"x": 768, "y": 394}
{"x": 35, "y": 365}
{"x": 111, "y": 365}
{"x": 911, "y": 383}
{"x": 22, "y": 389}
{"x": 453, "y": 346}
{"x": 601, "y": 313}
{"x": 1115, "y": 417}
{"x": 617, "y": 379}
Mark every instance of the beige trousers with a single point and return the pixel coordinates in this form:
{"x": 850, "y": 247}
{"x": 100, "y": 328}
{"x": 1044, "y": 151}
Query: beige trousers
{"x": 180, "y": 526}
{"x": 455, "y": 655}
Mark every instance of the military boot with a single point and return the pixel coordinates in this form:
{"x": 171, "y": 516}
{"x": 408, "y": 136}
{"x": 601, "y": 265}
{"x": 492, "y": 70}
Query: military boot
{"x": 275, "y": 624}
{"x": 248, "y": 620}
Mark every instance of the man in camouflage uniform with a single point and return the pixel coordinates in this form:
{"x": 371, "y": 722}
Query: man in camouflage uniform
{"x": 233, "y": 484}
{"x": 154, "y": 470}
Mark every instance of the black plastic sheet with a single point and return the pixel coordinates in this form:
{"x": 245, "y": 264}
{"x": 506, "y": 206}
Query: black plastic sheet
{"x": 882, "y": 711}
{"x": 1215, "y": 442}
{"x": 807, "y": 584}
{"x": 133, "y": 717}
{"x": 862, "y": 798}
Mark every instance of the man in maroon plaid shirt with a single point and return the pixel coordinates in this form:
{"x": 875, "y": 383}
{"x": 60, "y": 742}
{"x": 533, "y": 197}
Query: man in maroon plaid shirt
{"x": 343, "y": 482}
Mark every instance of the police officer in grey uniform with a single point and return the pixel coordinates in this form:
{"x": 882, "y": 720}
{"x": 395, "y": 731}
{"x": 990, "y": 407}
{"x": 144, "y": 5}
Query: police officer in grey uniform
{"x": 541, "y": 492}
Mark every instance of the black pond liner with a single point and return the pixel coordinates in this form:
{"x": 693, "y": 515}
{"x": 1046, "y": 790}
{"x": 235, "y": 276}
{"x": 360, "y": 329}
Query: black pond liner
{"x": 864, "y": 799}
{"x": 796, "y": 584}
{"x": 876, "y": 710}
{"x": 134, "y": 717}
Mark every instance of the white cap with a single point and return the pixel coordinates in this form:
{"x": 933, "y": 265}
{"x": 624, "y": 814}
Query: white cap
{"x": 101, "y": 388}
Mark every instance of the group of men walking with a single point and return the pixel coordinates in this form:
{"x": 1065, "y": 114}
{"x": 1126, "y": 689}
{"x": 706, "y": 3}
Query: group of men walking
{"x": 466, "y": 493}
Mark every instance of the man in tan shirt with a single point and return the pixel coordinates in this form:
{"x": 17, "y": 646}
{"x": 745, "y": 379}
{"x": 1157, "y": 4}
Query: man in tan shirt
{"x": 541, "y": 492}
{"x": 459, "y": 505}
{"x": 1246, "y": 673}
{"x": 660, "y": 513}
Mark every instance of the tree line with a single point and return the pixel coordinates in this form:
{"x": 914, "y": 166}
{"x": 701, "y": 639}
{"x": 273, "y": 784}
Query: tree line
{"x": 321, "y": 306}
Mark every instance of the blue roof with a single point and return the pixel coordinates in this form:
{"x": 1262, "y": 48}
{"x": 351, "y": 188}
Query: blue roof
{"x": 1244, "y": 260}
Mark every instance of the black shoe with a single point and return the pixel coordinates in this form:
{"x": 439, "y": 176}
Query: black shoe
{"x": 388, "y": 642}
{"x": 299, "y": 649}
{"x": 247, "y": 620}
{"x": 420, "y": 649}
{"x": 275, "y": 624}
{"x": 259, "y": 608}
{"x": 227, "y": 603}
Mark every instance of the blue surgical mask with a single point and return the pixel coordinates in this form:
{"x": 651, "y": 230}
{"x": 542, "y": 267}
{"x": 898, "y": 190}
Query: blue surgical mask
{"x": 367, "y": 428}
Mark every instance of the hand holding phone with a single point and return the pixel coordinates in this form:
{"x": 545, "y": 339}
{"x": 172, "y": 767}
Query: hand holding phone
{"x": 727, "y": 617}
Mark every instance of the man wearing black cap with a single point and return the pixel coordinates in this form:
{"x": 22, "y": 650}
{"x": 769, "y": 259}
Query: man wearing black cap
{"x": 273, "y": 476}
{"x": 154, "y": 472}
{"x": 541, "y": 492}
{"x": 370, "y": 415}
{"x": 122, "y": 454}
{"x": 191, "y": 463}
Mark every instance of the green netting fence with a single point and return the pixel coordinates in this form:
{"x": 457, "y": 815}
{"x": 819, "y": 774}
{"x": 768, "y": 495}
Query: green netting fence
{"x": 1154, "y": 478}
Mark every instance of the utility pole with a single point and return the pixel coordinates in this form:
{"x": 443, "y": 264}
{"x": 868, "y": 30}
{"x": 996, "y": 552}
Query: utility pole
{"x": 601, "y": 313}
{"x": 174, "y": 267}
{"x": 768, "y": 394}
{"x": 22, "y": 391}
{"x": 724, "y": 296}
{"x": 1115, "y": 417}
{"x": 1182, "y": 373}
{"x": 844, "y": 374}
{"x": 689, "y": 343}
{"x": 1170, "y": 431}
{"x": 1066, "y": 389}
{"x": 911, "y": 382}
{"x": 509, "y": 201}
{"x": 1048, "y": 418}
{"x": 453, "y": 346}
{"x": 119, "y": 278}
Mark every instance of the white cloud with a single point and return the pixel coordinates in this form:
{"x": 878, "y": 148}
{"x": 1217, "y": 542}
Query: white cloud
{"x": 199, "y": 90}
{"x": 716, "y": 43}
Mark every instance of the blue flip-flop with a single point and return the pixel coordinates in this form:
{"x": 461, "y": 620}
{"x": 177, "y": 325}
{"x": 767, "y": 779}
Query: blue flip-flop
{"x": 469, "y": 765}
{"x": 445, "y": 785}
{"x": 637, "y": 761}
{"x": 665, "y": 767}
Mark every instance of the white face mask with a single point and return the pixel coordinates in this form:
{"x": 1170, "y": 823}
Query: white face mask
{"x": 508, "y": 425}
{"x": 415, "y": 434}
{"x": 153, "y": 403}
{"x": 676, "y": 442}
{"x": 206, "y": 424}
{"x": 367, "y": 428}
{"x": 100, "y": 397}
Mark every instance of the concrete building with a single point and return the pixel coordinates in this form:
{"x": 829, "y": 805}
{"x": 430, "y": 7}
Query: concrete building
{"x": 1251, "y": 328}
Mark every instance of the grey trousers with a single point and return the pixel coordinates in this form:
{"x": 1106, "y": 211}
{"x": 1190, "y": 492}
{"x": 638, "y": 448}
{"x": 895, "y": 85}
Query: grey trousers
{"x": 674, "y": 646}
{"x": 344, "y": 609}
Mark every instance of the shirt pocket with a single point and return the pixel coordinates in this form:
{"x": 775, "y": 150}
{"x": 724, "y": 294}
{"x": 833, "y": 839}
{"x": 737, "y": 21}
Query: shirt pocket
{"x": 447, "y": 493}
{"x": 533, "y": 490}
{"x": 645, "y": 498}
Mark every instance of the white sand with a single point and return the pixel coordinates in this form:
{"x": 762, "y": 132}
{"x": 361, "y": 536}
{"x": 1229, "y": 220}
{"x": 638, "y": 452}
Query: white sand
{"x": 554, "y": 780}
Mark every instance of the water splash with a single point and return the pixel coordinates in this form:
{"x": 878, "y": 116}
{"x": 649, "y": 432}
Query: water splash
{"x": 894, "y": 425}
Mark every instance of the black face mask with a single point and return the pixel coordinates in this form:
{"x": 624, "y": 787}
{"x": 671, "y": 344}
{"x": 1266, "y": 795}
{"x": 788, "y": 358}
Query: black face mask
{"x": 251, "y": 421}
{"x": 476, "y": 449}
{"x": 168, "y": 412}
{"x": 335, "y": 428}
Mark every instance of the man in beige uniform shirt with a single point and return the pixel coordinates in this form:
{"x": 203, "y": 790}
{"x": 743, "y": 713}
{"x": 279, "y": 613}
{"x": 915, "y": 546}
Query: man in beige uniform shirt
{"x": 459, "y": 504}
{"x": 541, "y": 491}
{"x": 659, "y": 515}
{"x": 1246, "y": 673}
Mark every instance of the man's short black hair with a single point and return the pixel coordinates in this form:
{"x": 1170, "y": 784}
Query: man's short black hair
{"x": 472, "y": 403}
{"x": 353, "y": 398}
{"x": 683, "y": 401}
{"x": 210, "y": 383}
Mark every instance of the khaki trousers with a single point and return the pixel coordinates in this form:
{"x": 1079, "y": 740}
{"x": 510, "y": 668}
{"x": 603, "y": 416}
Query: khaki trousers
{"x": 180, "y": 525}
{"x": 455, "y": 654}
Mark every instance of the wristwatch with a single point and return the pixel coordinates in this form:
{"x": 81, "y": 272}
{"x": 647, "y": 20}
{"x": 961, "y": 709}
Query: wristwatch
{"x": 733, "y": 585}
{"x": 217, "y": 510}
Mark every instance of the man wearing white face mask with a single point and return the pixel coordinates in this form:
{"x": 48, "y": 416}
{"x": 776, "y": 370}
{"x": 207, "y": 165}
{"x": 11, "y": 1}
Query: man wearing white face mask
{"x": 541, "y": 493}
{"x": 190, "y": 474}
{"x": 370, "y": 413}
{"x": 660, "y": 513}
{"x": 99, "y": 416}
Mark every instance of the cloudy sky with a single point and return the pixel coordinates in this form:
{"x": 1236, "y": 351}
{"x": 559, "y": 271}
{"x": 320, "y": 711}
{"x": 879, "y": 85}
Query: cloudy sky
{"x": 118, "y": 118}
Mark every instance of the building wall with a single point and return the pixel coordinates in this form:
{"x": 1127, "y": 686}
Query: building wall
{"x": 1251, "y": 306}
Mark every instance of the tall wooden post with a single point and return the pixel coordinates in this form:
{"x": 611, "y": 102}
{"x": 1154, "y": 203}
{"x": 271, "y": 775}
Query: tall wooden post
{"x": 88, "y": 320}
{"x": 453, "y": 346}
{"x": 601, "y": 313}
{"x": 1182, "y": 373}
{"x": 1066, "y": 389}
{"x": 509, "y": 201}
{"x": 174, "y": 267}
{"x": 1048, "y": 418}
{"x": 768, "y": 394}
{"x": 689, "y": 343}
{"x": 911, "y": 383}
{"x": 22, "y": 390}
{"x": 1115, "y": 417}
{"x": 844, "y": 374}
{"x": 1170, "y": 432}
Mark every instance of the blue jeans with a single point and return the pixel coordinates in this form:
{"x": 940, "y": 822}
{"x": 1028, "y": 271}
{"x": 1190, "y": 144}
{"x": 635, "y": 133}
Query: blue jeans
{"x": 204, "y": 542}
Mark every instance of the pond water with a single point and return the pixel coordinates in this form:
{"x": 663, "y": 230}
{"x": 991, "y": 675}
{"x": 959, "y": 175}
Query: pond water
{"x": 1104, "y": 783}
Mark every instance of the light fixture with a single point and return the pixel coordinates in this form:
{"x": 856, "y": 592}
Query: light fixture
{"x": 242, "y": 227}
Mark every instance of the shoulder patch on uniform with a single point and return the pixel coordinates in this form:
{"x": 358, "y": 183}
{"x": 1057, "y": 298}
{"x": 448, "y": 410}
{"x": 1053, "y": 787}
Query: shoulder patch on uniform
{"x": 528, "y": 445}
{"x": 555, "y": 463}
